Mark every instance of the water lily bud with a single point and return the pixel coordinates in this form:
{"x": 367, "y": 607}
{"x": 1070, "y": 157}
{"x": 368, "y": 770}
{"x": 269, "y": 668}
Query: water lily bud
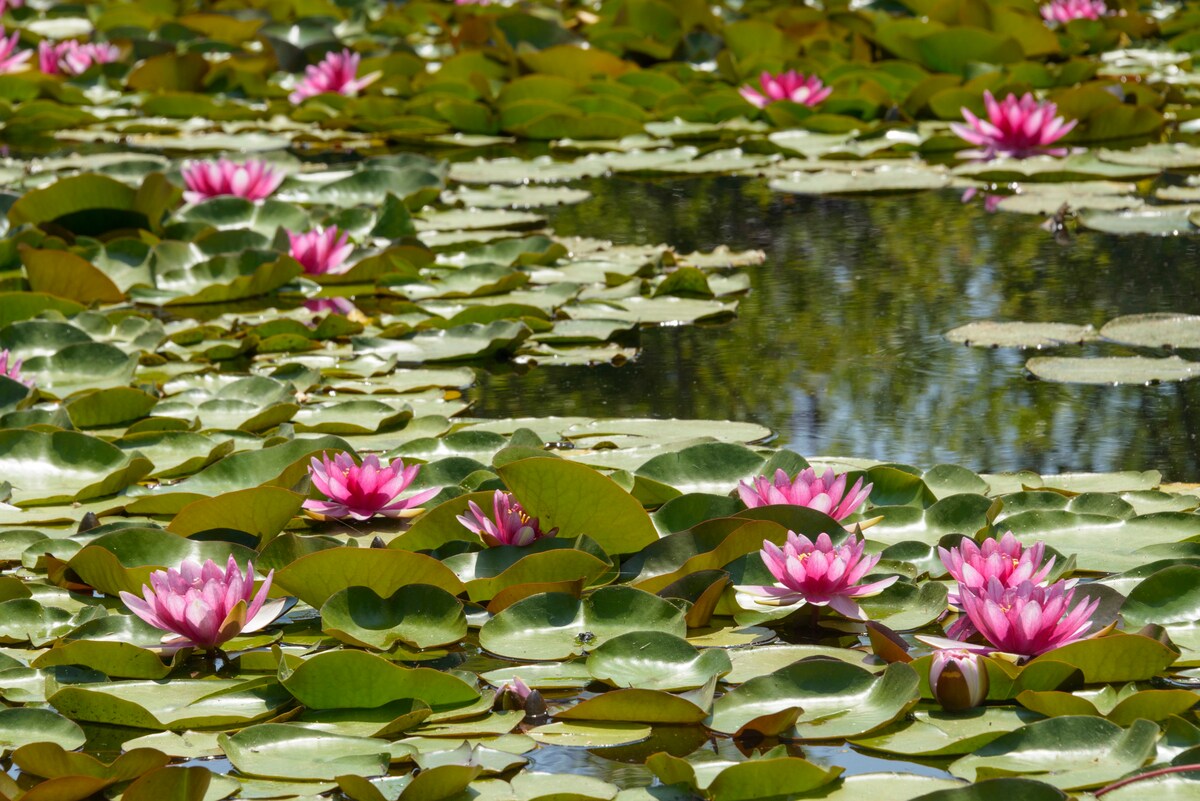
{"x": 958, "y": 679}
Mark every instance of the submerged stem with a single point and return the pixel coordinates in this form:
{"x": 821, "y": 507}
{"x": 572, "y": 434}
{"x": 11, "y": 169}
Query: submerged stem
{"x": 1152, "y": 774}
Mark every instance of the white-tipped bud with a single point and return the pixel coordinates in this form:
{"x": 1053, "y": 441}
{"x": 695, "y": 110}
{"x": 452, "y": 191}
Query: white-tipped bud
{"x": 958, "y": 679}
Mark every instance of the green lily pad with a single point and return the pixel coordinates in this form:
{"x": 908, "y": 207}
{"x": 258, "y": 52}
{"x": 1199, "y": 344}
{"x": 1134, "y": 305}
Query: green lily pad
{"x": 654, "y": 660}
{"x": 419, "y": 615}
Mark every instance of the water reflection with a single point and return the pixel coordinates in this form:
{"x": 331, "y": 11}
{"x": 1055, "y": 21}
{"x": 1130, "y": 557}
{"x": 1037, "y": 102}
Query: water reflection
{"x": 839, "y": 346}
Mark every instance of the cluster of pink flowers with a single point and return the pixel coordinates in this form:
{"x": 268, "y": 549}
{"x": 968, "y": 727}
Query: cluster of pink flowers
{"x": 791, "y": 85}
{"x": 70, "y": 57}
{"x": 1063, "y": 11}
{"x": 1015, "y": 127}
{"x": 816, "y": 573}
{"x": 203, "y": 605}
{"x": 321, "y": 250}
{"x": 362, "y": 491}
{"x": 252, "y": 180}
{"x": 510, "y": 524}
{"x": 1002, "y": 590}
{"x": 337, "y": 73}
{"x": 826, "y": 493}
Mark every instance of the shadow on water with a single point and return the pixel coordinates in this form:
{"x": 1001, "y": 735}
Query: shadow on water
{"x": 839, "y": 345}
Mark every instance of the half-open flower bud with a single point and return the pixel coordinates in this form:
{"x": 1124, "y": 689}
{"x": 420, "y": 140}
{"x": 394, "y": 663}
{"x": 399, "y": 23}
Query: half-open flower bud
{"x": 958, "y": 679}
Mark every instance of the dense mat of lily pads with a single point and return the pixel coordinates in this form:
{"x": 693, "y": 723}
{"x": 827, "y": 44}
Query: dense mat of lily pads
{"x": 256, "y": 546}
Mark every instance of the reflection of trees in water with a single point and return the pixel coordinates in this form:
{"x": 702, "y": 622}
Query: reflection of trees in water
{"x": 839, "y": 347}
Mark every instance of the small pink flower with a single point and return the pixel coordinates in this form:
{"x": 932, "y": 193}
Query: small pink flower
{"x": 362, "y": 491}
{"x": 12, "y": 59}
{"x": 321, "y": 250}
{"x": 1005, "y": 560}
{"x": 958, "y": 679}
{"x": 252, "y": 180}
{"x": 826, "y": 493}
{"x": 511, "y": 525}
{"x": 1015, "y": 127}
{"x": 203, "y": 604}
{"x": 818, "y": 574}
{"x": 70, "y": 57}
{"x": 1063, "y": 11}
{"x": 791, "y": 85}
{"x": 12, "y": 369}
{"x": 516, "y": 688}
{"x": 336, "y": 73}
{"x": 1028, "y": 620}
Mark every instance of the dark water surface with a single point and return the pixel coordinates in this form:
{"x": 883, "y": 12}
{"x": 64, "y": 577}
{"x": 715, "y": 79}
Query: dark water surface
{"x": 839, "y": 346}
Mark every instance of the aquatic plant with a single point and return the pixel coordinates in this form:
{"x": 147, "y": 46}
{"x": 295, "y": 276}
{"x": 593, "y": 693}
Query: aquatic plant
{"x": 337, "y": 73}
{"x": 1015, "y": 127}
{"x": 509, "y": 525}
{"x": 12, "y": 59}
{"x": 70, "y": 57}
{"x": 253, "y": 179}
{"x": 362, "y": 491}
{"x": 321, "y": 250}
{"x": 1063, "y": 11}
{"x": 807, "y": 90}
{"x": 1005, "y": 559}
{"x": 826, "y": 493}
{"x": 818, "y": 574}
{"x": 203, "y": 605}
{"x": 958, "y": 679}
{"x": 1026, "y": 619}
{"x": 11, "y": 368}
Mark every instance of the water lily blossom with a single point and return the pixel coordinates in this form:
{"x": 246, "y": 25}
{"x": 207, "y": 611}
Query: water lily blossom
{"x": 816, "y": 573}
{"x": 252, "y": 179}
{"x": 1015, "y": 127}
{"x": 1028, "y": 620}
{"x": 826, "y": 493}
{"x": 12, "y": 59}
{"x": 1004, "y": 559}
{"x": 203, "y": 605}
{"x": 337, "y": 73}
{"x": 958, "y": 679}
{"x": 1063, "y": 11}
{"x": 509, "y": 525}
{"x": 321, "y": 250}
{"x": 70, "y": 57}
{"x": 11, "y": 368}
{"x": 363, "y": 491}
{"x": 791, "y": 85}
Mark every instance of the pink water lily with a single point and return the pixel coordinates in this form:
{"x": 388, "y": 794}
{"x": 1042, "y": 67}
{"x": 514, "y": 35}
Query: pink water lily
{"x": 510, "y": 524}
{"x": 336, "y": 73}
{"x": 321, "y": 250}
{"x": 342, "y": 306}
{"x": 203, "y": 605}
{"x": 826, "y": 493}
{"x": 1063, "y": 11}
{"x": 816, "y": 573}
{"x": 252, "y": 179}
{"x": 791, "y": 85}
{"x": 363, "y": 491}
{"x": 12, "y": 59}
{"x": 1015, "y": 127}
{"x": 1028, "y": 620}
{"x": 958, "y": 679}
{"x": 11, "y": 368}
{"x": 972, "y": 566}
{"x": 70, "y": 57}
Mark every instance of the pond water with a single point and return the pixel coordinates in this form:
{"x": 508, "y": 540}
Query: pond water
{"x": 839, "y": 346}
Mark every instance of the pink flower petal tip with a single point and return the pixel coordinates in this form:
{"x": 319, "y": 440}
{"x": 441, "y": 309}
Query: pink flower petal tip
{"x": 826, "y": 493}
